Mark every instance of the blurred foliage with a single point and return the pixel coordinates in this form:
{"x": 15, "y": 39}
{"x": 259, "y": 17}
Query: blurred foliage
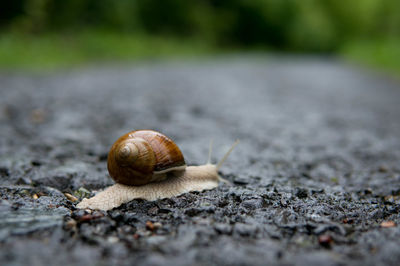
{"x": 50, "y": 51}
{"x": 382, "y": 54}
{"x": 287, "y": 25}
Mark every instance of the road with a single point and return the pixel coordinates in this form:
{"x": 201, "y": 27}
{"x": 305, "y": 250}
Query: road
{"x": 315, "y": 179}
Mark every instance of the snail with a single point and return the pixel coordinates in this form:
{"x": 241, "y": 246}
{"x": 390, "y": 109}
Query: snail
{"x": 148, "y": 165}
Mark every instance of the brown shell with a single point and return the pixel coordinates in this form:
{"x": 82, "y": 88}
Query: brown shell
{"x": 142, "y": 156}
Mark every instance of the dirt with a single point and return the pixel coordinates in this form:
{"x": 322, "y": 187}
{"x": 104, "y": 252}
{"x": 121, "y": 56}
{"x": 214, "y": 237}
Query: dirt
{"x": 315, "y": 179}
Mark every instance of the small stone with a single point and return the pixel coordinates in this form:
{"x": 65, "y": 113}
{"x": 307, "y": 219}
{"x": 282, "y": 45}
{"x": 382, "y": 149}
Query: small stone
{"x": 376, "y": 214}
{"x": 130, "y": 218}
{"x": 240, "y": 181}
{"x": 82, "y": 192}
{"x": 112, "y": 239}
{"x": 117, "y": 216}
{"x": 125, "y": 230}
{"x": 150, "y": 226}
{"x": 284, "y": 202}
{"x": 36, "y": 163}
{"x": 71, "y": 223}
{"x": 347, "y": 221}
{"x": 87, "y": 217}
{"x": 153, "y": 226}
{"x": 4, "y": 171}
{"x": 368, "y": 191}
{"x": 252, "y": 204}
{"x": 103, "y": 156}
{"x": 221, "y": 228}
{"x": 157, "y": 225}
{"x": 325, "y": 240}
{"x": 144, "y": 233}
{"x": 41, "y": 194}
{"x": 301, "y": 193}
{"x": 383, "y": 169}
{"x": 388, "y": 224}
{"x": 24, "y": 181}
{"x": 192, "y": 212}
{"x": 71, "y": 197}
{"x": 164, "y": 211}
{"x": 153, "y": 211}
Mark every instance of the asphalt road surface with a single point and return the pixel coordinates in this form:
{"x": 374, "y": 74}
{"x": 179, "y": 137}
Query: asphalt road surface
{"x": 315, "y": 178}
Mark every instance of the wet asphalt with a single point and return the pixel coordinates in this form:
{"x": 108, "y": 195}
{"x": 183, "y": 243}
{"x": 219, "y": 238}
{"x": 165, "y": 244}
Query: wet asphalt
{"x": 315, "y": 178}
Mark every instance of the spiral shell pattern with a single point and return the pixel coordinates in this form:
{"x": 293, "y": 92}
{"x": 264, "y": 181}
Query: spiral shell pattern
{"x": 143, "y": 156}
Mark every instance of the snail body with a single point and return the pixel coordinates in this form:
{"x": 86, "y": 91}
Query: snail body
{"x": 148, "y": 165}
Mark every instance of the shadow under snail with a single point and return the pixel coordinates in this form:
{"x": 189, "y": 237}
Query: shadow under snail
{"x": 146, "y": 164}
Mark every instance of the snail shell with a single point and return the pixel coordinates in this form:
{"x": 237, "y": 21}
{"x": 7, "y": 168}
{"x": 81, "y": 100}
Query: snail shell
{"x": 143, "y": 156}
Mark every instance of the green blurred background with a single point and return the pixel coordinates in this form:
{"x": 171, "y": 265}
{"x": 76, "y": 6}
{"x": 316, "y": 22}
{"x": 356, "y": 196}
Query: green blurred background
{"x": 47, "y": 34}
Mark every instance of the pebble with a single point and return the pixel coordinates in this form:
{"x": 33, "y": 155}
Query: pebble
{"x": 301, "y": 193}
{"x": 130, "y": 218}
{"x": 70, "y": 224}
{"x": 153, "y": 226}
{"x": 112, "y": 239}
{"x": 192, "y": 212}
{"x": 81, "y": 216}
{"x": 388, "y": 224}
{"x": 325, "y": 240}
{"x": 224, "y": 229}
{"x": 117, "y": 216}
{"x": 152, "y": 211}
{"x": 23, "y": 181}
{"x": 71, "y": 197}
{"x": 252, "y": 204}
{"x": 240, "y": 180}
